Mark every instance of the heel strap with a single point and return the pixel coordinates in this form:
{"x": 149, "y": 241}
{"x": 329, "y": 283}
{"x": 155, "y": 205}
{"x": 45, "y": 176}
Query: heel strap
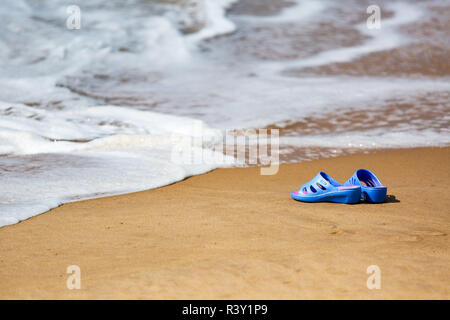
{"x": 363, "y": 177}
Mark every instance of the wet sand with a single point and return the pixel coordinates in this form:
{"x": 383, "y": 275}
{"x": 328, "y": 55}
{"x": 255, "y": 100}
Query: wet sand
{"x": 234, "y": 234}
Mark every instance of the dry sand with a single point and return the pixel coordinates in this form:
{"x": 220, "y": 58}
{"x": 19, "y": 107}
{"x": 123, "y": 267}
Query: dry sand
{"x": 233, "y": 233}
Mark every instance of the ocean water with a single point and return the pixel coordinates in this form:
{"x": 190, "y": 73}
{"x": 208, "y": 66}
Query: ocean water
{"x": 100, "y": 110}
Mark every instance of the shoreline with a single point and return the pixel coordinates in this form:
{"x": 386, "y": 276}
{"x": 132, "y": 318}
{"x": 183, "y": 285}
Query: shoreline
{"x": 294, "y": 154}
{"x": 233, "y": 234}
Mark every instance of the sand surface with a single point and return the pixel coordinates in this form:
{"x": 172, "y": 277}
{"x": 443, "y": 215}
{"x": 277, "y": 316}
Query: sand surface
{"x": 233, "y": 233}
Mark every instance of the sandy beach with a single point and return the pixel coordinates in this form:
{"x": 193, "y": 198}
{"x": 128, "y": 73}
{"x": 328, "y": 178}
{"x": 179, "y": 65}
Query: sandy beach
{"x": 235, "y": 234}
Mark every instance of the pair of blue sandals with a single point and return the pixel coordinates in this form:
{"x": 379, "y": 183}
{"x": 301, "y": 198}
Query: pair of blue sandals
{"x": 363, "y": 184}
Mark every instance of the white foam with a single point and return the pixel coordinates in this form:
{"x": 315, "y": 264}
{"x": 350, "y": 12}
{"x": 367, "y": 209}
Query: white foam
{"x": 386, "y": 38}
{"x": 372, "y": 139}
{"x": 214, "y": 20}
{"x": 243, "y": 102}
{"x": 132, "y": 150}
{"x": 53, "y": 180}
{"x": 104, "y": 150}
{"x": 28, "y": 130}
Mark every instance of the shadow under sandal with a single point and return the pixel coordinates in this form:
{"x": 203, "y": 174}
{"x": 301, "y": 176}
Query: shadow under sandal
{"x": 372, "y": 190}
{"x": 323, "y": 188}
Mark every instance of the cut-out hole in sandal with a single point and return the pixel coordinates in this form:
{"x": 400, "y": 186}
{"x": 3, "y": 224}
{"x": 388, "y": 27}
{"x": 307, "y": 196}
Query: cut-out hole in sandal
{"x": 367, "y": 178}
{"x": 321, "y": 186}
{"x": 368, "y": 183}
{"x": 313, "y": 189}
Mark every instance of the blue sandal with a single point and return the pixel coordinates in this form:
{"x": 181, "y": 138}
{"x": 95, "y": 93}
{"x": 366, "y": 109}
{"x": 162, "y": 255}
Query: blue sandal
{"x": 372, "y": 190}
{"x": 324, "y": 188}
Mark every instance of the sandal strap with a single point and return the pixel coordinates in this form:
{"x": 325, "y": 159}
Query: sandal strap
{"x": 317, "y": 185}
{"x": 364, "y": 178}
